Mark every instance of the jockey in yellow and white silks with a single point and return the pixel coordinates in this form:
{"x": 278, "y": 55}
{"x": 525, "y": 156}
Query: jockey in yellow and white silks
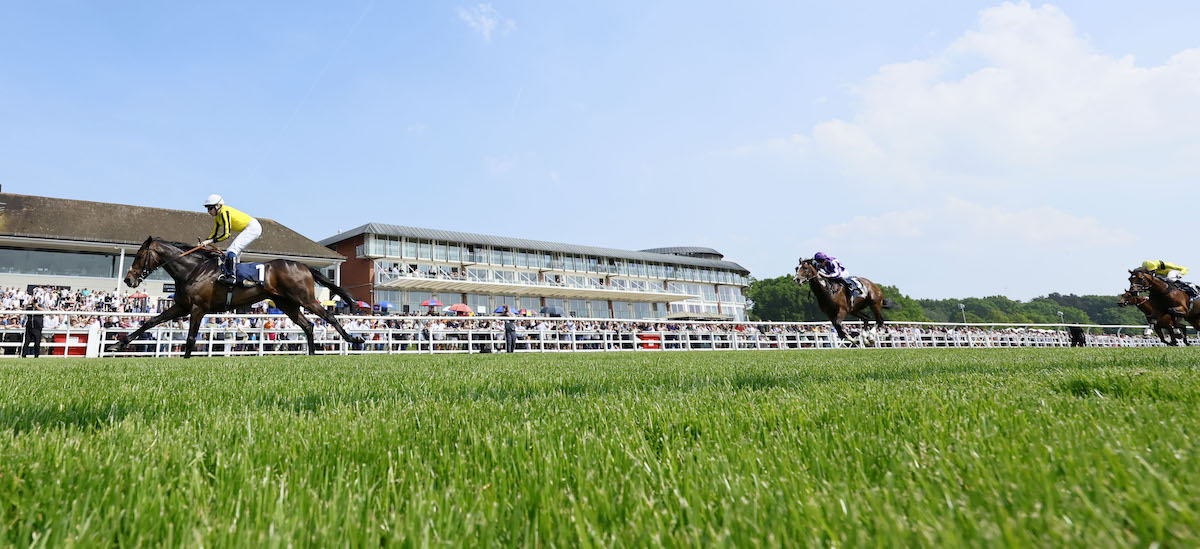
{"x": 1165, "y": 269}
{"x": 226, "y": 221}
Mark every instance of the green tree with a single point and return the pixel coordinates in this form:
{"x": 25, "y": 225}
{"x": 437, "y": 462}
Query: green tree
{"x": 910, "y": 310}
{"x": 781, "y": 300}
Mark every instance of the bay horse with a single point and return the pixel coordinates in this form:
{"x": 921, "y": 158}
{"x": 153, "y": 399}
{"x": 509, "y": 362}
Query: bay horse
{"x": 1166, "y": 296}
{"x": 836, "y": 302}
{"x": 1156, "y": 318}
{"x": 288, "y": 283}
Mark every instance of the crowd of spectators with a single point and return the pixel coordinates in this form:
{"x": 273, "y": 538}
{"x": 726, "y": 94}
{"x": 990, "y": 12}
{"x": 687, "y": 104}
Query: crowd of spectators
{"x": 482, "y": 334}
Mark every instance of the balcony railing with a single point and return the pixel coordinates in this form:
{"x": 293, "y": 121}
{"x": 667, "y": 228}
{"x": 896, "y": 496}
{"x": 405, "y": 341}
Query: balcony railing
{"x": 384, "y": 276}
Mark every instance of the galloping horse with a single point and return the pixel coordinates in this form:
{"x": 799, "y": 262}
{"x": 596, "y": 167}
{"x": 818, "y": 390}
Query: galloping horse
{"x": 1157, "y": 318}
{"x": 288, "y": 283}
{"x": 1165, "y": 297}
{"x": 836, "y": 302}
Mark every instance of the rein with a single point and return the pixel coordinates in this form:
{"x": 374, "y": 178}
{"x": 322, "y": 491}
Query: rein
{"x": 164, "y": 264}
{"x": 146, "y": 272}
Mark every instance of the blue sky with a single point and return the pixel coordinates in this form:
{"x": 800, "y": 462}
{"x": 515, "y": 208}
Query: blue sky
{"x": 951, "y": 149}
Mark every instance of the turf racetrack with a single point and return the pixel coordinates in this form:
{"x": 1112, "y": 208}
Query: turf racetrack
{"x": 1036, "y": 447}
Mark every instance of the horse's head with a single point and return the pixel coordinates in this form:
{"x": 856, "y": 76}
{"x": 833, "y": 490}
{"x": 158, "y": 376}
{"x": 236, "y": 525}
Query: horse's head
{"x": 1129, "y": 298}
{"x": 1139, "y": 280}
{"x": 805, "y": 271}
{"x": 148, "y": 258}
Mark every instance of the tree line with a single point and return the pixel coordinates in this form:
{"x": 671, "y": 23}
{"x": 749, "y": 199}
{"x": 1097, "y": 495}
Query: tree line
{"x": 783, "y": 300}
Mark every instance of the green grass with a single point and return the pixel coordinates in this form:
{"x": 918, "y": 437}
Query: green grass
{"x": 973, "y": 448}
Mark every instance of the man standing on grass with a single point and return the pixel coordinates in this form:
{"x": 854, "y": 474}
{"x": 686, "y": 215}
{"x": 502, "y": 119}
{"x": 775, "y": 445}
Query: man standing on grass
{"x": 510, "y": 331}
{"x": 33, "y": 330}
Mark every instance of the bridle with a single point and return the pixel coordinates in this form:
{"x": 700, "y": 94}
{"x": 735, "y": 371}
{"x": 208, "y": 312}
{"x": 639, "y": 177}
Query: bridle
{"x": 1135, "y": 296}
{"x": 145, "y": 271}
{"x": 806, "y": 279}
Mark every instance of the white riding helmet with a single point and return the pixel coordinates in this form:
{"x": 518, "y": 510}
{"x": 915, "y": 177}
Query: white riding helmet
{"x": 214, "y": 200}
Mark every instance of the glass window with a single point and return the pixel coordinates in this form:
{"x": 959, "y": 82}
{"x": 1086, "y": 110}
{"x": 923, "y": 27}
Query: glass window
{"x": 393, "y": 247}
{"x": 453, "y": 252}
{"x": 414, "y": 300}
{"x": 506, "y": 256}
{"x": 481, "y": 304}
{"x": 40, "y": 262}
{"x": 410, "y": 249}
{"x": 622, "y": 309}
{"x": 424, "y": 249}
{"x": 532, "y": 303}
{"x": 506, "y": 276}
{"x": 439, "y": 251}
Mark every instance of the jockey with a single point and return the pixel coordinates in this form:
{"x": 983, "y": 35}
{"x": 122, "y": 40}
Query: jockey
{"x": 1171, "y": 273}
{"x": 830, "y": 267}
{"x": 225, "y": 221}
{"x": 1165, "y": 269}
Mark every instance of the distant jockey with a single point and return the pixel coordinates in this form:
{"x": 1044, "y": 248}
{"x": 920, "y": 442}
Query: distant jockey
{"x": 227, "y": 220}
{"x": 830, "y": 267}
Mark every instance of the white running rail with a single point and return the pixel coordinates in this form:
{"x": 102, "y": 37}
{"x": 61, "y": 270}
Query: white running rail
{"x": 247, "y": 335}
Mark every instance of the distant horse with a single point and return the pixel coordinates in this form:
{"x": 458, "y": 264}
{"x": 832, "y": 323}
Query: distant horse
{"x": 1165, "y": 296}
{"x": 835, "y": 300}
{"x": 1156, "y": 318}
{"x": 288, "y": 283}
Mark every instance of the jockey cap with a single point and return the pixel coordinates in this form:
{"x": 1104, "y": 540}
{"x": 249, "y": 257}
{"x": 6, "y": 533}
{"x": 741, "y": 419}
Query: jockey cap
{"x": 821, "y": 256}
{"x": 214, "y": 200}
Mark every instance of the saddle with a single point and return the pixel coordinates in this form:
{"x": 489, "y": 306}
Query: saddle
{"x": 856, "y": 286}
{"x": 1189, "y": 288}
{"x": 249, "y": 275}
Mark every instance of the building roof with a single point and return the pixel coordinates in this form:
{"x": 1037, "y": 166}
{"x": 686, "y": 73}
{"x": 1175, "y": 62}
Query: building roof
{"x": 79, "y": 221}
{"x": 503, "y": 241}
{"x": 685, "y": 250}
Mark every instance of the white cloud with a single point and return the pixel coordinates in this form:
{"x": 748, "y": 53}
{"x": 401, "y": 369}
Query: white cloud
{"x": 957, "y": 225}
{"x": 1022, "y": 100}
{"x": 498, "y": 166}
{"x": 486, "y": 20}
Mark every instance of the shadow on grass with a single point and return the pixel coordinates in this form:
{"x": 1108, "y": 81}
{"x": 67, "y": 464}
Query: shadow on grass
{"x": 25, "y": 418}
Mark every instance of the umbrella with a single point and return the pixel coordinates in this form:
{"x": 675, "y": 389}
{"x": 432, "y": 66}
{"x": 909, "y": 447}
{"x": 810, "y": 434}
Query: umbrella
{"x": 329, "y": 303}
{"x": 459, "y": 308}
{"x": 553, "y": 310}
{"x": 526, "y": 312}
{"x": 363, "y": 304}
{"x": 431, "y": 303}
{"x": 503, "y": 308}
{"x": 139, "y": 295}
{"x": 386, "y": 305}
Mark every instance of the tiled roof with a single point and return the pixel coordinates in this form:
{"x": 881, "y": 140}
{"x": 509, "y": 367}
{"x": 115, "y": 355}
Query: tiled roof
{"x": 83, "y": 221}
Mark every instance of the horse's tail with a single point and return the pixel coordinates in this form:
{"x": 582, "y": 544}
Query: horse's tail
{"x": 889, "y": 304}
{"x": 333, "y": 287}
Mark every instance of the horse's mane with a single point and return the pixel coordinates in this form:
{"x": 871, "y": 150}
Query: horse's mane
{"x": 185, "y": 247}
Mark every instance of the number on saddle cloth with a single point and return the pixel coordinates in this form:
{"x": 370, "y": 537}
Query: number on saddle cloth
{"x": 250, "y": 274}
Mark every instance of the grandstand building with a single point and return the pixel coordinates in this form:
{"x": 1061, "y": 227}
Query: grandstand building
{"x": 405, "y": 266}
{"x": 90, "y": 245}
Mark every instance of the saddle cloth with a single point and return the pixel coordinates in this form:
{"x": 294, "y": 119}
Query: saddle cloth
{"x": 249, "y": 274}
{"x": 857, "y": 285}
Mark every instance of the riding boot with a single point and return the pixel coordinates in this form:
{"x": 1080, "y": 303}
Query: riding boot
{"x": 227, "y": 268}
